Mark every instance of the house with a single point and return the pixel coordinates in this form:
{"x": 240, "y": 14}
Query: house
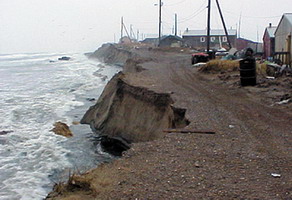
{"x": 242, "y": 43}
{"x": 269, "y": 41}
{"x": 198, "y": 38}
{"x": 171, "y": 41}
{"x": 283, "y": 40}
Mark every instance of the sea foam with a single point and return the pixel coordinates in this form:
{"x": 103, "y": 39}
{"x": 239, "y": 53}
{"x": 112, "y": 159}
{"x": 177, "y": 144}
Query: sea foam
{"x": 36, "y": 91}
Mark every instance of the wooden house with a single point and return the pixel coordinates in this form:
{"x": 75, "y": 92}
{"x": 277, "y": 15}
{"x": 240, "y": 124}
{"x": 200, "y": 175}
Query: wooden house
{"x": 283, "y": 42}
{"x": 198, "y": 38}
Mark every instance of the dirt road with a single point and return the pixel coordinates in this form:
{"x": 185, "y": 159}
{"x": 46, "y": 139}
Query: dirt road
{"x": 249, "y": 157}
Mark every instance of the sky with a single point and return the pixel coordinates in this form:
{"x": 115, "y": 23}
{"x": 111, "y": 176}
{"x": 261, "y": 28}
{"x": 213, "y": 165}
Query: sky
{"x": 33, "y": 26}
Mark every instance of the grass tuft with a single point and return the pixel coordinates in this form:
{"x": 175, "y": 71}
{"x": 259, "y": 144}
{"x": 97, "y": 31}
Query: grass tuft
{"x": 215, "y": 66}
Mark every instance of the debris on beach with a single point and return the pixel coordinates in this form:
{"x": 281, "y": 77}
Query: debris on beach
{"x": 275, "y": 175}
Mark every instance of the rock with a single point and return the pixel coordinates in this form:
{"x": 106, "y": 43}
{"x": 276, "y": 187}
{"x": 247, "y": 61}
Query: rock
{"x": 66, "y": 58}
{"x": 5, "y": 132}
{"x": 75, "y": 123}
{"x": 63, "y": 129}
{"x": 90, "y": 99}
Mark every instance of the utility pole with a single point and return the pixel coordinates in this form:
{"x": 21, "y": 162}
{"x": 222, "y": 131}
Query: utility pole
{"x": 175, "y": 24}
{"x": 122, "y": 27}
{"x": 224, "y": 26}
{"x": 138, "y": 35}
{"x": 208, "y": 26}
{"x": 239, "y": 27}
{"x": 126, "y": 31}
{"x": 159, "y": 32}
{"x": 132, "y": 34}
{"x": 131, "y": 31}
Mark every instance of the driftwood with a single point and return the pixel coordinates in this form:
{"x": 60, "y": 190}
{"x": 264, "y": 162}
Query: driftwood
{"x": 189, "y": 131}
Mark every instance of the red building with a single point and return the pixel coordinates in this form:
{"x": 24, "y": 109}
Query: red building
{"x": 269, "y": 41}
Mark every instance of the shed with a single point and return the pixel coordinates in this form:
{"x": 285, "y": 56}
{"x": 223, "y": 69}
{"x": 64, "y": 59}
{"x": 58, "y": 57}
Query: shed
{"x": 283, "y": 40}
{"x": 269, "y": 41}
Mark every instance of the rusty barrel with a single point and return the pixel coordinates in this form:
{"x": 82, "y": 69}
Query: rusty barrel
{"x": 247, "y": 68}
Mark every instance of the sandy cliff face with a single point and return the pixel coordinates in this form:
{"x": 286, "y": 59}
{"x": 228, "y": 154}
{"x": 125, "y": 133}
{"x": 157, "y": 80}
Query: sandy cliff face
{"x": 131, "y": 112}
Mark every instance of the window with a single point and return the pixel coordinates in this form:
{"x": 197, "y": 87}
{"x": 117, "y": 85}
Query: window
{"x": 202, "y": 39}
{"x": 213, "y": 39}
{"x": 224, "y": 39}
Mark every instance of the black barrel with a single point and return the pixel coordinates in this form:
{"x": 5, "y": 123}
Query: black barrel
{"x": 247, "y": 68}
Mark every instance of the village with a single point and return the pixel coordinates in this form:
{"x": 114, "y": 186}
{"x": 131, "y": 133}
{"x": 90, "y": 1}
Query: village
{"x": 275, "y": 46}
{"x": 203, "y": 116}
{"x": 184, "y": 130}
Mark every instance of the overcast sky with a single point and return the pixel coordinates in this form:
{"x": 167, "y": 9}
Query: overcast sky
{"x": 28, "y": 26}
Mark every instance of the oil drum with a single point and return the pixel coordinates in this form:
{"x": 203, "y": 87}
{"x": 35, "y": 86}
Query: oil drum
{"x": 247, "y": 68}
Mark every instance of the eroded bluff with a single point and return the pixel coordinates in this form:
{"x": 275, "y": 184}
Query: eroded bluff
{"x": 133, "y": 113}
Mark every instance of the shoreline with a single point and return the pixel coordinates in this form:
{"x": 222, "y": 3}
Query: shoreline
{"x": 236, "y": 162}
{"x": 82, "y": 132}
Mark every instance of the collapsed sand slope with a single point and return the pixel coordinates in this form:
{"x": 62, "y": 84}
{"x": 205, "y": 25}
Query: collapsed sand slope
{"x": 133, "y": 113}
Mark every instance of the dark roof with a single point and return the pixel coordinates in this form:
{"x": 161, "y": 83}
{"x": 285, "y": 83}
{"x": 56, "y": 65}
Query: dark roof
{"x": 172, "y": 37}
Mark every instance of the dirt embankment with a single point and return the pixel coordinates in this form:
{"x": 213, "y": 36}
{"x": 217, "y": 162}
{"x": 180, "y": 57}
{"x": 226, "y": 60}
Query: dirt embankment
{"x": 131, "y": 112}
{"x": 112, "y": 54}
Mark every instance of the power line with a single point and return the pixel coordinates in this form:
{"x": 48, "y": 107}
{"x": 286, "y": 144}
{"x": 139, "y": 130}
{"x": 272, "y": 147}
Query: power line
{"x": 191, "y": 17}
{"x": 174, "y": 4}
{"x": 194, "y": 14}
{"x": 254, "y": 17}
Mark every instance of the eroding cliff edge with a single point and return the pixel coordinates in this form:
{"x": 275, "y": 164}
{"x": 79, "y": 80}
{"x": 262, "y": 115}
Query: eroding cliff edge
{"x": 112, "y": 54}
{"x": 133, "y": 113}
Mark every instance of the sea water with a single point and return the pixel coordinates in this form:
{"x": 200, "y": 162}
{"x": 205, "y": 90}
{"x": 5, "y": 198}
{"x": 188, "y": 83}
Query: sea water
{"x": 36, "y": 90}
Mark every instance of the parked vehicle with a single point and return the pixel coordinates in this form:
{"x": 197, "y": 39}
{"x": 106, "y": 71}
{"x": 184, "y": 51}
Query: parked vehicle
{"x": 199, "y": 57}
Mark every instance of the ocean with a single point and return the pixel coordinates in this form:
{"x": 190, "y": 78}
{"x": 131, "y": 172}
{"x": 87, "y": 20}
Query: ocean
{"x": 36, "y": 91}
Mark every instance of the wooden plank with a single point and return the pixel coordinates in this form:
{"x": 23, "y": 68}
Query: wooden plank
{"x": 189, "y": 131}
